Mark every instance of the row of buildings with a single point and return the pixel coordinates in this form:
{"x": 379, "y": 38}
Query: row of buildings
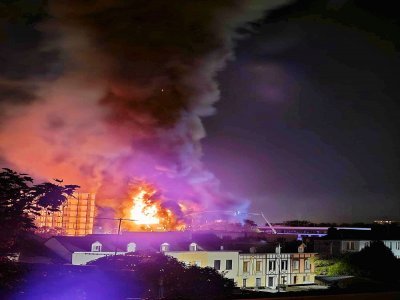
{"x": 73, "y": 243}
{"x": 248, "y": 269}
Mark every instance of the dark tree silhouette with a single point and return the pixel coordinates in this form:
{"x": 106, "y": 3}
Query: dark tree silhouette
{"x": 21, "y": 200}
{"x": 376, "y": 262}
{"x": 162, "y": 276}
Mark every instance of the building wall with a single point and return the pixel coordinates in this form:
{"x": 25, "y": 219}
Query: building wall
{"x": 393, "y": 245}
{"x": 279, "y": 274}
{"x": 353, "y": 245}
{"x": 82, "y": 258}
{"x": 276, "y": 269}
{"x": 251, "y": 270}
{"x": 336, "y": 247}
{"x": 75, "y": 217}
{"x": 302, "y": 269}
{"x": 208, "y": 258}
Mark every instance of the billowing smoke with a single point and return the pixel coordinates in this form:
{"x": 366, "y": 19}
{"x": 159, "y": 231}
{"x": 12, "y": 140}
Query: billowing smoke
{"x": 100, "y": 92}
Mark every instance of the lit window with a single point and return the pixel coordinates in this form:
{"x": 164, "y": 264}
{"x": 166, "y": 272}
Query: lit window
{"x": 258, "y": 266}
{"x": 245, "y": 266}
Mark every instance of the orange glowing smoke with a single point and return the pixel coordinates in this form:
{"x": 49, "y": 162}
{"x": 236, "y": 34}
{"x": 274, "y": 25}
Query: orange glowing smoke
{"x": 148, "y": 212}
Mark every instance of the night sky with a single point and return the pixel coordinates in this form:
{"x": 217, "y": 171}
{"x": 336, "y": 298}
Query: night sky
{"x": 285, "y": 107}
{"x": 310, "y": 113}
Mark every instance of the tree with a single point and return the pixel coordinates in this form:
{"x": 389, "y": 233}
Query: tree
{"x": 375, "y": 262}
{"x": 21, "y": 201}
{"x": 249, "y": 223}
{"x": 297, "y": 223}
{"x": 162, "y": 276}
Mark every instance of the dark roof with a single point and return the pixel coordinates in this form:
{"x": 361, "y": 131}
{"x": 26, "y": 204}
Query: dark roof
{"x": 178, "y": 241}
{"x": 361, "y": 235}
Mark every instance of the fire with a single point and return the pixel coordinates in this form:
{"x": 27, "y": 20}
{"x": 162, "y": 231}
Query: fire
{"x": 144, "y": 211}
{"x": 148, "y": 210}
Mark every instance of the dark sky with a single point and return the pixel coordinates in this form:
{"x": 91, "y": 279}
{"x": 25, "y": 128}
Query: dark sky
{"x": 307, "y": 122}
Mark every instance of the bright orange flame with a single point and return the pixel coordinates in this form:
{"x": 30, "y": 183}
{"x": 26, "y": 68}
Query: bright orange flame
{"x": 147, "y": 210}
{"x": 143, "y": 211}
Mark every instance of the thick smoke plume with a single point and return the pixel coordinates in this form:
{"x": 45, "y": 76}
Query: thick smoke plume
{"x": 100, "y": 92}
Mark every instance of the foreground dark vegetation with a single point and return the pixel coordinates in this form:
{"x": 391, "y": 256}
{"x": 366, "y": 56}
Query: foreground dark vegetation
{"x": 137, "y": 275}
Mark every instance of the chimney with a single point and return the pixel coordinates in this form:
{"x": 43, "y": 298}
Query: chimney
{"x": 221, "y": 248}
{"x": 253, "y": 250}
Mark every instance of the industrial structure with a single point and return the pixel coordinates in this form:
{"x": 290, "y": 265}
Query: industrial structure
{"x": 75, "y": 217}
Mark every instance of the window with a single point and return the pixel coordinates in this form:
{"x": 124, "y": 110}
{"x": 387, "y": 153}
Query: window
{"x": 270, "y": 281}
{"x": 244, "y": 282}
{"x": 397, "y": 245}
{"x": 283, "y": 279}
{"x": 307, "y": 264}
{"x": 131, "y": 247}
{"x": 245, "y": 266}
{"x": 193, "y": 247}
{"x": 258, "y": 266}
{"x": 228, "y": 264}
{"x": 350, "y": 245}
{"x": 284, "y": 265}
{"x": 164, "y": 247}
{"x": 217, "y": 264}
{"x": 258, "y": 282}
{"x": 271, "y": 265}
{"x": 294, "y": 279}
{"x": 296, "y": 264}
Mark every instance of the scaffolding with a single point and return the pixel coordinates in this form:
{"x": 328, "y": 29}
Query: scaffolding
{"x": 75, "y": 217}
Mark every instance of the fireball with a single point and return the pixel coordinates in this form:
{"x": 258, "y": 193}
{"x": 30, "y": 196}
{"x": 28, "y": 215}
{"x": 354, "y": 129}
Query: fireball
{"x": 147, "y": 210}
{"x": 144, "y": 211}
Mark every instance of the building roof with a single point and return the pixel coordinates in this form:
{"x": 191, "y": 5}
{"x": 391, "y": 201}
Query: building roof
{"x": 362, "y": 235}
{"x": 178, "y": 241}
